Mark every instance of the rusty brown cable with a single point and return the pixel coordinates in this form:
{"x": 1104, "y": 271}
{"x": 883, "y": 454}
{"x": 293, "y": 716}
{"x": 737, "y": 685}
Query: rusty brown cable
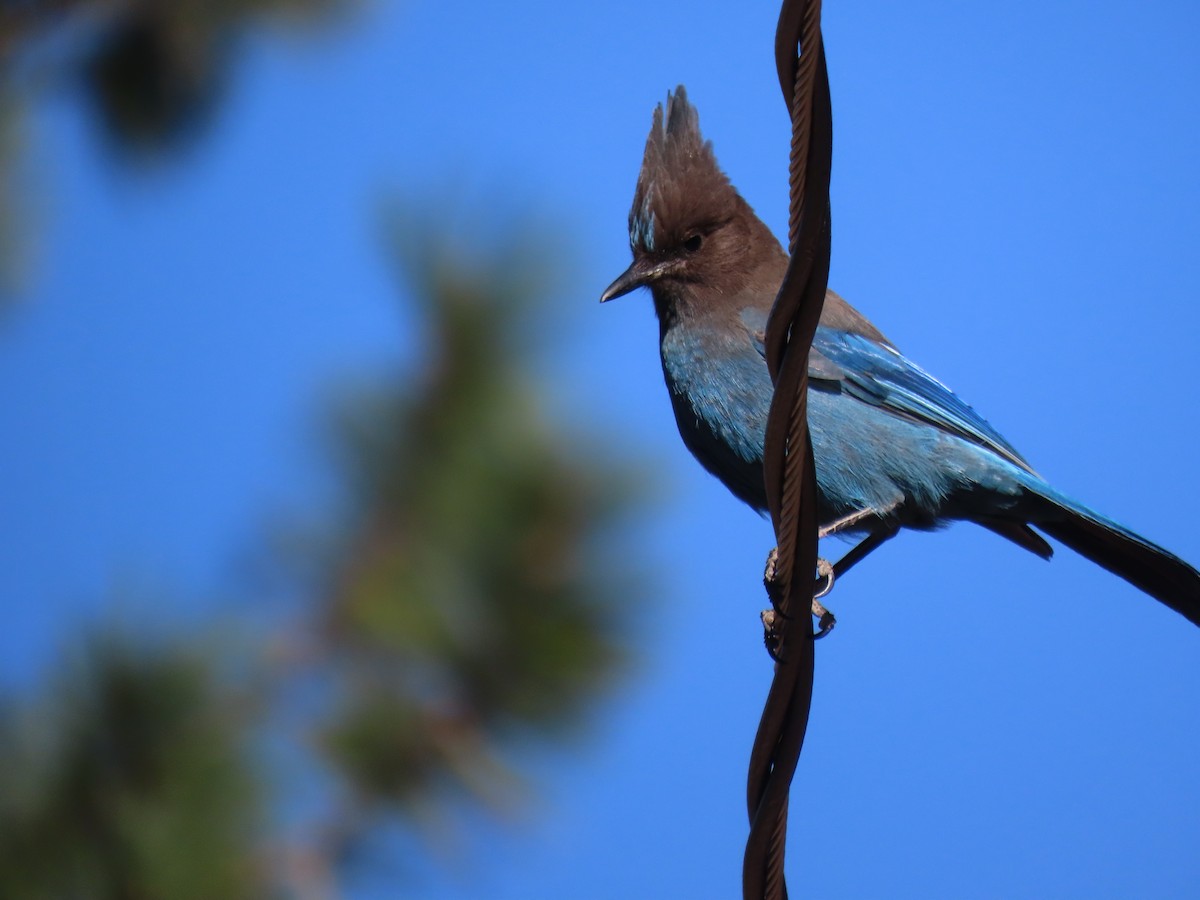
{"x": 788, "y": 467}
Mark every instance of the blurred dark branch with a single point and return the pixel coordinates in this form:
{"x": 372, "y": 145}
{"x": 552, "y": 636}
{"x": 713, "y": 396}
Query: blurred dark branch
{"x": 15, "y": 205}
{"x": 152, "y": 70}
{"x": 152, "y": 73}
{"x": 24, "y": 23}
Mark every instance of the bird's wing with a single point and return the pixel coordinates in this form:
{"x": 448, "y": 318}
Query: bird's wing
{"x": 820, "y": 367}
{"x": 881, "y": 376}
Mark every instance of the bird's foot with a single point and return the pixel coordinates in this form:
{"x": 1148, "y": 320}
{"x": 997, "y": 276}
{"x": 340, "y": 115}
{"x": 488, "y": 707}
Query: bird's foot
{"x": 825, "y": 619}
{"x": 772, "y": 639}
{"x": 769, "y": 571}
{"x": 771, "y": 618}
{"x": 825, "y": 578}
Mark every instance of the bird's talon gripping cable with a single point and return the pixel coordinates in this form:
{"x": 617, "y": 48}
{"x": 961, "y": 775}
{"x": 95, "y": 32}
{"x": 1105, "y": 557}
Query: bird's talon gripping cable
{"x": 769, "y": 571}
{"x": 826, "y": 575}
{"x": 771, "y": 636}
{"x": 825, "y": 578}
{"x": 825, "y": 621}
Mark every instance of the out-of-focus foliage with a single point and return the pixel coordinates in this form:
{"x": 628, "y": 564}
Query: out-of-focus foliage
{"x": 129, "y": 778}
{"x": 474, "y": 599}
{"x": 152, "y": 69}
{"x": 469, "y": 600}
{"x": 15, "y": 235}
{"x": 157, "y": 74}
{"x": 152, "y": 73}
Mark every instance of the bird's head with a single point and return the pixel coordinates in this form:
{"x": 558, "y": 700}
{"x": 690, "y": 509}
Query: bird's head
{"x": 688, "y": 226}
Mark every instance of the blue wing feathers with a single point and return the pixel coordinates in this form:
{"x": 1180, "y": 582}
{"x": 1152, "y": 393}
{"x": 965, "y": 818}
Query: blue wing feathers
{"x": 879, "y": 375}
{"x": 907, "y": 389}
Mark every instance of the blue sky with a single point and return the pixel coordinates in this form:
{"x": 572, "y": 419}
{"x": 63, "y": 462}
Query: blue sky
{"x": 1016, "y": 204}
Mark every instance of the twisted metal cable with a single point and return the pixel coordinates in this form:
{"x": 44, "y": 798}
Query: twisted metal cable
{"x": 788, "y": 465}
{"x": 805, "y": 64}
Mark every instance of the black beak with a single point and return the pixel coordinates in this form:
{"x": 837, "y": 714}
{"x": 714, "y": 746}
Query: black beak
{"x": 639, "y": 274}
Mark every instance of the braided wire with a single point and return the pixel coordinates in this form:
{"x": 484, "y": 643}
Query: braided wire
{"x": 788, "y": 466}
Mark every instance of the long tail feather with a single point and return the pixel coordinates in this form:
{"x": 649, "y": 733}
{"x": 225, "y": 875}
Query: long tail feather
{"x": 1158, "y": 572}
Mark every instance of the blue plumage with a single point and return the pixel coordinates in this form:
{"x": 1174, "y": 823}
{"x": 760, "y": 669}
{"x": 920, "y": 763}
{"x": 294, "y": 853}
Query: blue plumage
{"x": 893, "y": 446}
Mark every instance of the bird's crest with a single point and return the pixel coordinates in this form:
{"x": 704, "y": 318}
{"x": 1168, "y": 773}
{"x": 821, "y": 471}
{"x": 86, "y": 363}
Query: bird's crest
{"x": 680, "y": 186}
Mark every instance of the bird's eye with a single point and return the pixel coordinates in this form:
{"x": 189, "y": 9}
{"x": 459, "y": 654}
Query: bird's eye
{"x": 692, "y": 244}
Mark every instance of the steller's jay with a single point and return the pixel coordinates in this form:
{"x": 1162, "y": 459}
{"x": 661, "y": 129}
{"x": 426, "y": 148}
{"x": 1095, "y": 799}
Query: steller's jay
{"x": 894, "y": 448}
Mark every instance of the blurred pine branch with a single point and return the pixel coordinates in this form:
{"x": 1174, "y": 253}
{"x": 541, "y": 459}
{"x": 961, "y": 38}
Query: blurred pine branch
{"x": 129, "y": 778}
{"x": 474, "y": 598}
{"x": 470, "y": 601}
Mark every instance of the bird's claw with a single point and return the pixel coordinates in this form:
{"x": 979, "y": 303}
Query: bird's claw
{"x": 825, "y": 619}
{"x": 770, "y": 617}
{"x": 772, "y": 563}
{"x": 771, "y": 636}
{"x": 825, "y": 579}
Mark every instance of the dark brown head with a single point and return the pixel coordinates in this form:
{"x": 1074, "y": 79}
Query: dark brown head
{"x": 688, "y": 227}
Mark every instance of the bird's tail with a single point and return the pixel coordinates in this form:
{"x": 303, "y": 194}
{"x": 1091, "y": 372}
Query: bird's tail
{"x": 1161, "y": 574}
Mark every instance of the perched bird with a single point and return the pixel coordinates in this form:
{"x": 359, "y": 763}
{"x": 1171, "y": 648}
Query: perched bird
{"x": 894, "y": 448}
